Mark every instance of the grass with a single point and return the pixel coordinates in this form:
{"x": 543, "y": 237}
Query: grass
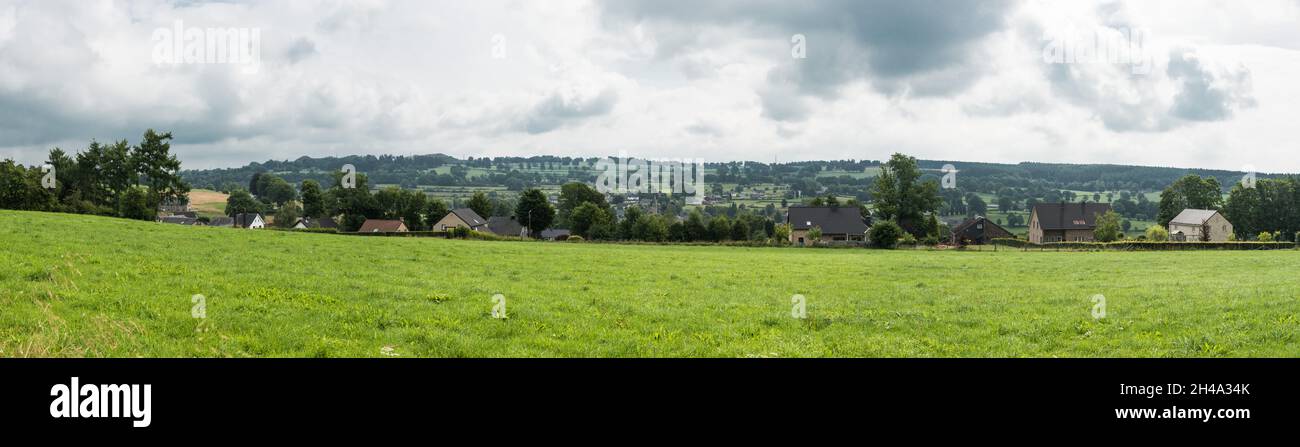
{"x": 97, "y": 287}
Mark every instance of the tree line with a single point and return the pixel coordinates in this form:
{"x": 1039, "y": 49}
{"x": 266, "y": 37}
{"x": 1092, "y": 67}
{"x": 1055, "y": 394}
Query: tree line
{"x": 117, "y": 179}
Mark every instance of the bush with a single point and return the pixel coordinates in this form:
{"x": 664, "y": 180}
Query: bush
{"x": 574, "y": 238}
{"x": 930, "y": 240}
{"x": 459, "y": 232}
{"x": 1157, "y": 233}
{"x": 1266, "y": 237}
{"x": 908, "y": 239}
{"x": 885, "y": 234}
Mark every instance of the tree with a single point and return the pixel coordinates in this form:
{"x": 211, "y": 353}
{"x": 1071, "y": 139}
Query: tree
{"x": 586, "y": 217}
{"x": 574, "y": 194}
{"x": 434, "y": 211}
{"x": 975, "y": 206}
{"x": 696, "y": 229}
{"x": 241, "y": 201}
{"x": 313, "y": 200}
{"x": 153, "y": 159}
{"x": 481, "y": 204}
{"x": 739, "y": 230}
{"x": 288, "y": 215}
{"x": 255, "y": 183}
{"x": 631, "y": 216}
{"x": 135, "y": 205}
{"x": 651, "y": 228}
{"x": 277, "y": 191}
{"x": 411, "y": 209}
{"x": 781, "y": 233}
{"x": 884, "y": 234}
{"x": 1108, "y": 227}
{"x": 899, "y": 194}
{"x": 815, "y": 234}
{"x": 1191, "y": 191}
{"x": 719, "y": 229}
{"x": 534, "y": 211}
{"x": 1157, "y": 233}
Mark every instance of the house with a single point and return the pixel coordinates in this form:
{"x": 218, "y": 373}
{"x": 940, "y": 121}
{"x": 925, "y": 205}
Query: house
{"x": 382, "y": 226}
{"x": 837, "y": 223}
{"x": 505, "y": 226}
{"x": 1200, "y": 225}
{"x": 978, "y": 231}
{"x": 221, "y": 221}
{"x": 461, "y": 217}
{"x": 180, "y": 220}
{"x": 173, "y": 206}
{"x": 555, "y": 234}
{"x": 313, "y": 222}
{"x": 249, "y": 220}
{"x": 1064, "y": 222}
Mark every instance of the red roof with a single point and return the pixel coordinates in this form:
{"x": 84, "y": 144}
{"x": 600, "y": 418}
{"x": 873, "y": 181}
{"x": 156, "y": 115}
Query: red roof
{"x": 382, "y": 226}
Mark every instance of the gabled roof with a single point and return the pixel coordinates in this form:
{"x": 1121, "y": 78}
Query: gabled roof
{"x": 314, "y": 222}
{"x": 553, "y": 233}
{"x": 969, "y": 228}
{"x": 245, "y": 220}
{"x": 381, "y": 226}
{"x": 832, "y": 220}
{"x": 1069, "y": 216}
{"x": 470, "y": 217}
{"x": 221, "y": 221}
{"x": 1193, "y": 217}
{"x": 504, "y": 226}
{"x": 180, "y": 220}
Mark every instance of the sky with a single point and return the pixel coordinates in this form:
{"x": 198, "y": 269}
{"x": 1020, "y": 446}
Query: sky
{"x": 1185, "y": 83}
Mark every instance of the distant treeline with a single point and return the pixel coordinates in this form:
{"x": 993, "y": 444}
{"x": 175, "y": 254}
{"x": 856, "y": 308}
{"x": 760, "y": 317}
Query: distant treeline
{"x": 117, "y": 179}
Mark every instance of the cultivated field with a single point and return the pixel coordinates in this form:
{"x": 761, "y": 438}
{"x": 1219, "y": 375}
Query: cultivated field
{"x": 88, "y": 286}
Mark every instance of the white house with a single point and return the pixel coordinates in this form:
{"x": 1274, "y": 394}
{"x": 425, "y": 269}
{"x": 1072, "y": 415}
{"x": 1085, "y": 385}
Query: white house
{"x": 249, "y": 220}
{"x": 1200, "y": 225}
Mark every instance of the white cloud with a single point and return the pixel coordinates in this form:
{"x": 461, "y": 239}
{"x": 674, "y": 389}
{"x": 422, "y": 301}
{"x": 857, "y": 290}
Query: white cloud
{"x": 660, "y": 79}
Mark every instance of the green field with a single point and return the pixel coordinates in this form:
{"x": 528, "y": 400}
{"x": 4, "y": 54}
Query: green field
{"x": 98, "y": 287}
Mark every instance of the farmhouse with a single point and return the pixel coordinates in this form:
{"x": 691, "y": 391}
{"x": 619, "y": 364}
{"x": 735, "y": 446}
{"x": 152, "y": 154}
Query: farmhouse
{"x": 462, "y": 217}
{"x": 978, "y": 231}
{"x": 249, "y": 220}
{"x": 312, "y": 222}
{"x": 1064, "y": 222}
{"x": 837, "y": 223}
{"x": 1200, "y": 225}
{"x": 505, "y": 226}
{"x": 382, "y": 226}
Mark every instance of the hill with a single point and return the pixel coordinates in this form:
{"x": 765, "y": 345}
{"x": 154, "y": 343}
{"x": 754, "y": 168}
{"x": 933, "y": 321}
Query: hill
{"x": 73, "y": 285}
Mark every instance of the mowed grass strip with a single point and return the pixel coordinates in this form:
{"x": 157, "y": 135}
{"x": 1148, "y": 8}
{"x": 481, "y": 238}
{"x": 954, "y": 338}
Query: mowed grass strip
{"x": 81, "y": 286}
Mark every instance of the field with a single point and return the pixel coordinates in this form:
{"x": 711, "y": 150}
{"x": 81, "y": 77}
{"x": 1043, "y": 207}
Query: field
{"x": 208, "y": 203}
{"x": 79, "y": 286}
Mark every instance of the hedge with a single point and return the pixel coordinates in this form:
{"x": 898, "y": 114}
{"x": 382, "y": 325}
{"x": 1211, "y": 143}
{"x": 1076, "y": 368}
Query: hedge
{"x": 1145, "y": 245}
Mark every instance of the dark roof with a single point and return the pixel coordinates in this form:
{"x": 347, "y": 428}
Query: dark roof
{"x": 470, "y": 217}
{"x": 554, "y": 233}
{"x": 315, "y": 222}
{"x": 243, "y": 220}
{"x": 180, "y": 220}
{"x": 504, "y": 226}
{"x": 832, "y": 220}
{"x": 969, "y": 230}
{"x": 221, "y": 221}
{"x": 381, "y": 226}
{"x": 1069, "y": 216}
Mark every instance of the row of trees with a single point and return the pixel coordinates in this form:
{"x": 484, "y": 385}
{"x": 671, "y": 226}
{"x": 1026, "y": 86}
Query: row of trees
{"x": 117, "y": 179}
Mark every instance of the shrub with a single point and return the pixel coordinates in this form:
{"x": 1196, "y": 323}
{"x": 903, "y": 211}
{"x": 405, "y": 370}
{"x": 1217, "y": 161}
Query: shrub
{"x": 459, "y": 232}
{"x": 1157, "y": 233}
{"x": 930, "y": 240}
{"x": 1265, "y": 237}
{"x": 907, "y": 239}
{"x": 575, "y": 238}
{"x": 885, "y": 234}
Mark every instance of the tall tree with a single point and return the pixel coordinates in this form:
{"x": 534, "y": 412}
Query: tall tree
{"x": 241, "y": 201}
{"x": 1191, "y": 191}
{"x": 534, "y": 211}
{"x": 480, "y": 203}
{"x": 159, "y": 167}
{"x": 900, "y": 195}
{"x": 313, "y": 200}
{"x": 574, "y": 194}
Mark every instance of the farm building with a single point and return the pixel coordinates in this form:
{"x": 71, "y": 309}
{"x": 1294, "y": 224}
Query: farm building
{"x": 249, "y": 220}
{"x": 505, "y": 226}
{"x": 1064, "y": 222}
{"x": 978, "y": 231}
{"x": 314, "y": 222}
{"x": 221, "y": 221}
{"x": 1200, "y": 225}
{"x": 382, "y": 226}
{"x": 843, "y": 223}
{"x": 462, "y": 217}
{"x": 555, "y": 234}
{"x": 180, "y": 220}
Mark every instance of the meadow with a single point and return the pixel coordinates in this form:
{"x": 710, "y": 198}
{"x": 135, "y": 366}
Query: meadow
{"x": 82, "y": 286}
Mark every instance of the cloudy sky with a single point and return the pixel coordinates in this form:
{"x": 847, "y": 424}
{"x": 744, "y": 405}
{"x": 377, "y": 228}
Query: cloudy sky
{"x": 1168, "y": 83}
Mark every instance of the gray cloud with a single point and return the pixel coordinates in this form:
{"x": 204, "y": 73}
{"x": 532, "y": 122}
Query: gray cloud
{"x": 1203, "y": 95}
{"x": 559, "y": 110}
